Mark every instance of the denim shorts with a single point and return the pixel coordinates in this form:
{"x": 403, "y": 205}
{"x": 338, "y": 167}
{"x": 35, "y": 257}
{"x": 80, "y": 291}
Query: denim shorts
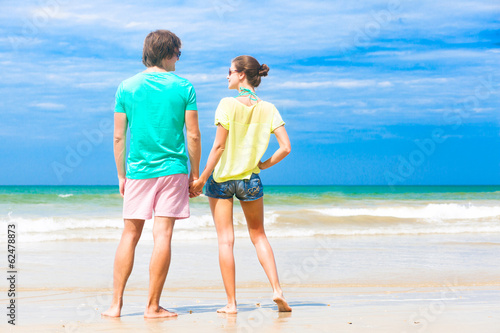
{"x": 244, "y": 189}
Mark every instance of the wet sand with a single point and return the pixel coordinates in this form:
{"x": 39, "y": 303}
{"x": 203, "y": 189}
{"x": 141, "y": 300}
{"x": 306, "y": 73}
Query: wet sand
{"x": 460, "y": 309}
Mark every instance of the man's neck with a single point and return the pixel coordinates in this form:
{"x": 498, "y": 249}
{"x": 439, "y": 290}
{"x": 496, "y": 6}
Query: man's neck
{"x": 154, "y": 69}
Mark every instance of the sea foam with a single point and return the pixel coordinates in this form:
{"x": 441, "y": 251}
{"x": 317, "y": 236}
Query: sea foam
{"x": 446, "y": 211}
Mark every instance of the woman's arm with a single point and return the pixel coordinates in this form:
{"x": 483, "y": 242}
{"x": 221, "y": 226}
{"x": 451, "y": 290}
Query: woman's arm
{"x": 120, "y": 148}
{"x": 282, "y": 151}
{"x": 213, "y": 158}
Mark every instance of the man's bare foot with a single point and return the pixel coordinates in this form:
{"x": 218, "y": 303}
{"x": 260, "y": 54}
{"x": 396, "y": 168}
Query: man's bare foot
{"x": 229, "y": 309}
{"x": 113, "y": 311}
{"x": 158, "y": 313}
{"x": 281, "y": 302}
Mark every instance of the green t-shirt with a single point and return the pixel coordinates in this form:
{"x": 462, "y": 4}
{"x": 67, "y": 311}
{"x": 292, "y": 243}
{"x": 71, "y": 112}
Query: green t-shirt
{"x": 155, "y": 105}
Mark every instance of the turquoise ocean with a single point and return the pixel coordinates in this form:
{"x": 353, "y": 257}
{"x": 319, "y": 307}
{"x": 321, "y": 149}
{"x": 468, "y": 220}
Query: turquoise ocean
{"x": 62, "y": 213}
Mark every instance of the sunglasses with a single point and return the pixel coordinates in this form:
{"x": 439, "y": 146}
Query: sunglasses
{"x": 232, "y": 71}
{"x": 179, "y": 54}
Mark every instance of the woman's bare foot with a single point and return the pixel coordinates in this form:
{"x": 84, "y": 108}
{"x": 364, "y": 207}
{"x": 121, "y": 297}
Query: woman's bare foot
{"x": 113, "y": 311}
{"x": 229, "y": 309}
{"x": 158, "y": 313}
{"x": 281, "y": 302}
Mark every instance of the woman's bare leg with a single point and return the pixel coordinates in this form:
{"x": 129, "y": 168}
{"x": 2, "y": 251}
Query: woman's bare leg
{"x": 124, "y": 262}
{"x": 222, "y": 212}
{"x": 254, "y": 214}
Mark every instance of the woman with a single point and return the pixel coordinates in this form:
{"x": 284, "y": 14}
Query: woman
{"x": 244, "y": 126}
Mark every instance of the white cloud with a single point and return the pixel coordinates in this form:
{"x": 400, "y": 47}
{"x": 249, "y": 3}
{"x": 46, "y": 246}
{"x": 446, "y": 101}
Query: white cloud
{"x": 326, "y": 103}
{"x": 85, "y": 49}
{"x": 346, "y": 84}
{"x": 364, "y": 111}
{"x": 41, "y": 16}
{"x": 136, "y": 24}
{"x": 384, "y": 84}
{"x": 483, "y": 110}
{"x": 49, "y": 106}
{"x": 204, "y": 78}
{"x": 428, "y": 80}
{"x": 96, "y": 85}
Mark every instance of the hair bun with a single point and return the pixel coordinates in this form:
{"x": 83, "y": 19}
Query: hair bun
{"x": 263, "y": 70}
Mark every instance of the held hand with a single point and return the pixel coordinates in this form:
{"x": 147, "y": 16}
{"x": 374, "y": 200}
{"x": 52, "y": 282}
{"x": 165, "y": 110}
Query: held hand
{"x": 191, "y": 193}
{"x": 193, "y": 188}
{"x": 196, "y": 187}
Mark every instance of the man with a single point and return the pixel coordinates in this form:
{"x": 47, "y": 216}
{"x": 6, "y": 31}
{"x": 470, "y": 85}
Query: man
{"x": 155, "y": 105}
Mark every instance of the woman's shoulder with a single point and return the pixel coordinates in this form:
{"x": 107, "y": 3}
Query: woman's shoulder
{"x": 267, "y": 105}
{"x": 233, "y": 102}
{"x": 225, "y": 105}
{"x": 227, "y": 101}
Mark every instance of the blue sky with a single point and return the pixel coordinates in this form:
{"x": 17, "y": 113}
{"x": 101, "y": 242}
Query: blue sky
{"x": 393, "y": 92}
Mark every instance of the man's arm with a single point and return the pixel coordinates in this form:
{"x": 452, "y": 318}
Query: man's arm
{"x": 194, "y": 143}
{"x": 120, "y": 148}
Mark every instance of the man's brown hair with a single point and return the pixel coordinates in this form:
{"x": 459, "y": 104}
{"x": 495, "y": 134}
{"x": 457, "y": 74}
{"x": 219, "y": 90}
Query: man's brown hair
{"x": 158, "y": 45}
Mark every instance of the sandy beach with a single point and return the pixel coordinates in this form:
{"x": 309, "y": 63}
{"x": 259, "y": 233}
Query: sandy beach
{"x": 350, "y": 259}
{"x": 342, "y": 284}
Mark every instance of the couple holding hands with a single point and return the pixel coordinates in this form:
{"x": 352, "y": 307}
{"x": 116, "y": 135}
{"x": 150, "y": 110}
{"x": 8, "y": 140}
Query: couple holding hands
{"x": 156, "y": 105}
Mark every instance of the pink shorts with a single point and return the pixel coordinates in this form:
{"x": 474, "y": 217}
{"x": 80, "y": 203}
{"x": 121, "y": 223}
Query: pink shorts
{"x": 166, "y": 196}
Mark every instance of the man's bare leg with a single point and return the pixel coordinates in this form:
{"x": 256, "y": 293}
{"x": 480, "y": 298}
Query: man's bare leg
{"x": 158, "y": 268}
{"x": 124, "y": 262}
{"x": 222, "y": 212}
